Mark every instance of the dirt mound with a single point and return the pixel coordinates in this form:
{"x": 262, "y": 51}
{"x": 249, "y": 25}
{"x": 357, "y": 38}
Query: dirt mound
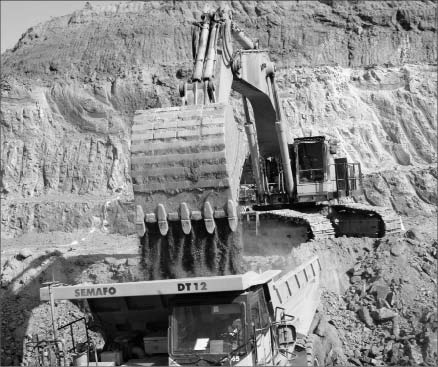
{"x": 411, "y": 192}
{"x": 380, "y": 295}
{"x": 388, "y": 314}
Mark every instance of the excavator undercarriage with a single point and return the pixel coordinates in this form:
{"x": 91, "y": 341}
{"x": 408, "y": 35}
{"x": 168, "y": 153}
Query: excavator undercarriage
{"x": 188, "y": 161}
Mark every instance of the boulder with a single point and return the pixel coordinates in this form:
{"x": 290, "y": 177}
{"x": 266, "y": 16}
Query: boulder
{"x": 383, "y": 314}
{"x": 364, "y": 315}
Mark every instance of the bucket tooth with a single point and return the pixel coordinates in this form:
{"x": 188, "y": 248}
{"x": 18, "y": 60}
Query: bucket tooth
{"x": 232, "y": 215}
{"x": 208, "y": 217}
{"x": 140, "y": 227}
{"x": 186, "y": 224}
{"x": 163, "y": 225}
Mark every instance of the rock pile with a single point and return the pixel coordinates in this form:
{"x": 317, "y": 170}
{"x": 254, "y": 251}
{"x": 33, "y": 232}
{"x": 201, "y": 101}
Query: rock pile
{"x": 388, "y": 314}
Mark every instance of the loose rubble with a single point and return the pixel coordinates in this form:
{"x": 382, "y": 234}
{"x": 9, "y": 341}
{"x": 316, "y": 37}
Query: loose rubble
{"x": 388, "y": 314}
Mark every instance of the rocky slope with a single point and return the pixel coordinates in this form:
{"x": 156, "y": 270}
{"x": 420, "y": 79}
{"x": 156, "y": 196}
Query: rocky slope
{"x": 70, "y": 87}
{"x": 385, "y": 118}
{"x": 363, "y": 73}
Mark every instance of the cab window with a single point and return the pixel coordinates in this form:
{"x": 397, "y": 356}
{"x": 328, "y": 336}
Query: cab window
{"x": 264, "y": 315}
{"x": 255, "y": 315}
{"x": 259, "y": 311}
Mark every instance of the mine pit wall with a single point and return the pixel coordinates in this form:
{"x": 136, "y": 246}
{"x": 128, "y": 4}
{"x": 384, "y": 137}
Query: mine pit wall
{"x": 91, "y": 158}
{"x": 84, "y": 121}
{"x": 55, "y": 214}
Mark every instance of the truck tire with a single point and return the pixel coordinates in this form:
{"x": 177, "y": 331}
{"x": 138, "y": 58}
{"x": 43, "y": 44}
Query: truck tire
{"x": 314, "y": 349}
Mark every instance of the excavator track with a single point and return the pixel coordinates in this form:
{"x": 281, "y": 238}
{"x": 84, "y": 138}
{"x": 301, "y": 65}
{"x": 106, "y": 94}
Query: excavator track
{"x": 320, "y": 227}
{"x": 362, "y": 220}
{"x": 296, "y": 226}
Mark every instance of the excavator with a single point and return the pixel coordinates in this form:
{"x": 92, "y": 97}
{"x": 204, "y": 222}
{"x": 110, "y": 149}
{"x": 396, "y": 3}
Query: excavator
{"x": 189, "y": 163}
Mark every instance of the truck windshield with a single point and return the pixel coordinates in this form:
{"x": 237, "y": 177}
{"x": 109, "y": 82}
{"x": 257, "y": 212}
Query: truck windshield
{"x": 207, "y": 329}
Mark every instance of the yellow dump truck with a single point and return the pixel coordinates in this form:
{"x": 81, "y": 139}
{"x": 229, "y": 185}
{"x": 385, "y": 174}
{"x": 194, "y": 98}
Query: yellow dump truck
{"x": 236, "y": 320}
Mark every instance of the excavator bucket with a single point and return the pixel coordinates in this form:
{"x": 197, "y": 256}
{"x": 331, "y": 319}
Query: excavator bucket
{"x": 186, "y": 164}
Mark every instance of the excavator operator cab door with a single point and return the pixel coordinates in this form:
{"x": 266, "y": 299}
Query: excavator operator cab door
{"x": 348, "y": 177}
{"x": 341, "y": 170}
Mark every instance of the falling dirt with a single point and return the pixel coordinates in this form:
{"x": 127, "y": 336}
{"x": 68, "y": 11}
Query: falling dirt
{"x": 199, "y": 253}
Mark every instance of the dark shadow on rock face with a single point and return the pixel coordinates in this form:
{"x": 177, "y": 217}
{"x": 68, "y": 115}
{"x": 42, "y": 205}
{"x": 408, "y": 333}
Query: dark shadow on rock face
{"x": 20, "y": 298}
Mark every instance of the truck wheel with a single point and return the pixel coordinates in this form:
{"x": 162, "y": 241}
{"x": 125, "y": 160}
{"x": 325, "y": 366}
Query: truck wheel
{"x": 313, "y": 346}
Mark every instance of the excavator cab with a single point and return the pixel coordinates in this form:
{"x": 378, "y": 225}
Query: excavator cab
{"x": 319, "y": 174}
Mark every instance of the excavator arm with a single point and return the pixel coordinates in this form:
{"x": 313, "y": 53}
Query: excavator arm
{"x": 187, "y": 161}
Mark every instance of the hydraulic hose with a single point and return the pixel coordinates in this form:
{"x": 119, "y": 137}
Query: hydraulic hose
{"x": 211, "y": 52}
{"x": 242, "y": 38}
{"x": 200, "y": 56}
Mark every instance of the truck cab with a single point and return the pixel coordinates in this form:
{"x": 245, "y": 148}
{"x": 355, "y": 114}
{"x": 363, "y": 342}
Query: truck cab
{"x": 248, "y": 319}
{"x": 225, "y": 328}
